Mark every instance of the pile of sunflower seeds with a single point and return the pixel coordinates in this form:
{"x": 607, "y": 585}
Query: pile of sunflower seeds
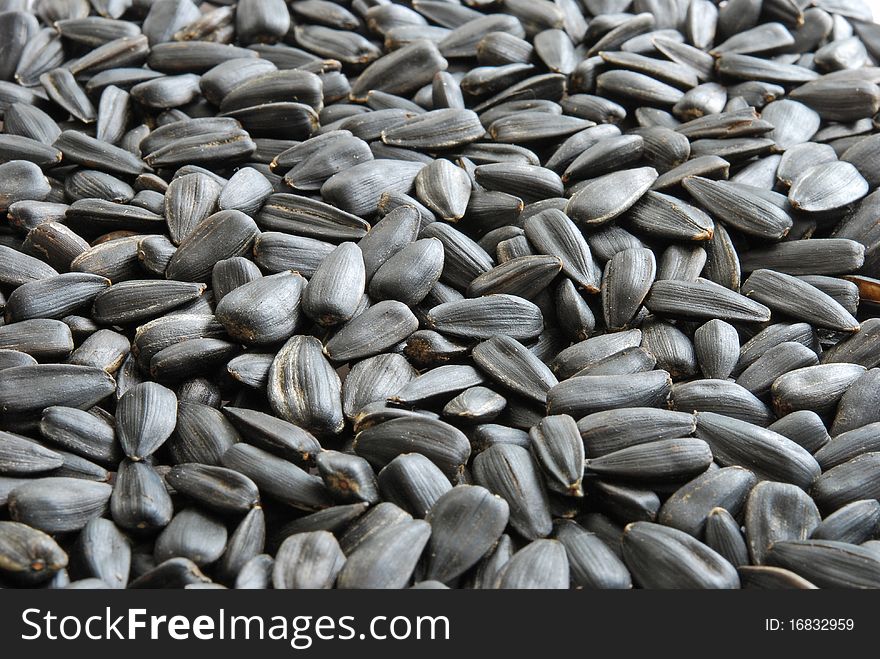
{"x": 440, "y": 293}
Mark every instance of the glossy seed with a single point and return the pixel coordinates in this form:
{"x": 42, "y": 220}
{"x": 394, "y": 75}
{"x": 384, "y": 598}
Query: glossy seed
{"x": 304, "y": 389}
{"x": 772, "y": 454}
{"x": 512, "y": 473}
{"x": 687, "y": 563}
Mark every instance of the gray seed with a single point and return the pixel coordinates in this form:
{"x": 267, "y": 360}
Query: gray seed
{"x": 850, "y": 481}
{"x": 21, "y": 180}
{"x": 29, "y": 555}
{"x": 173, "y": 573}
{"x": 627, "y": 279}
{"x": 690, "y": 508}
{"x": 524, "y": 276}
{"x": 444, "y": 445}
{"x": 583, "y": 395}
{"x": 687, "y": 563}
{"x": 827, "y": 186}
{"x": 220, "y": 489}
{"x": 360, "y": 337}
{"x": 817, "y": 387}
{"x": 742, "y": 210}
{"x": 804, "y": 427}
{"x": 484, "y": 317}
{"x": 194, "y": 535}
{"x": 304, "y": 389}
{"x": 104, "y": 349}
{"x": 140, "y": 300}
{"x": 263, "y": 311}
{"x": 308, "y": 560}
{"x": 21, "y": 456}
{"x": 716, "y": 345}
{"x": 229, "y": 274}
{"x": 768, "y": 454}
{"x": 42, "y": 339}
{"x": 273, "y": 434}
{"x": 828, "y": 563}
{"x": 510, "y": 472}
{"x": 702, "y": 299}
{"x": 604, "y": 198}
{"x": 348, "y": 478}
{"x": 466, "y": 522}
{"x": 53, "y": 384}
{"x": 371, "y": 565}
{"x": 857, "y": 408}
{"x": 255, "y": 573}
{"x": 219, "y": 236}
{"x": 664, "y": 460}
{"x": 777, "y": 361}
{"x": 722, "y": 397}
{"x": 854, "y": 523}
{"x": 724, "y": 535}
{"x": 779, "y": 291}
{"x": 145, "y": 418}
{"x": 11, "y": 358}
{"x": 202, "y": 434}
{"x": 251, "y": 369}
{"x": 409, "y": 274}
{"x": 278, "y": 479}
{"x": 413, "y": 482}
{"x": 58, "y": 505}
{"x": 542, "y": 564}
{"x": 475, "y": 405}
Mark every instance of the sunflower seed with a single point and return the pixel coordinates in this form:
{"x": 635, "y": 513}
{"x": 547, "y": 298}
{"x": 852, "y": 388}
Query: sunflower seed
{"x": 778, "y": 290}
{"x": 29, "y": 555}
{"x": 510, "y": 472}
{"x": 58, "y": 505}
{"x": 443, "y": 444}
{"x": 690, "y": 507}
{"x": 687, "y": 562}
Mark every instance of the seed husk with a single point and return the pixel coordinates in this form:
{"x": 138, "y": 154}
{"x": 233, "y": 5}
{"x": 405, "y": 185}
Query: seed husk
{"x": 308, "y": 560}
{"x": 57, "y": 504}
{"x": 277, "y": 478}
{"x": 370, "y": 565}
{"x": 687, "y": 563}
{"x": 772, "y": 456}
{"x": 263, "y": 311}
{"x": 778, "y": 290}
{"x": 828, "y": 563}
{"x": 740, "y": 208}
{"x": 466, "y": 522}
{"x": 720, "y": 396}
{"x": 223, "y": 235}
{"x": 817, "y": 387}
{"x": 349, "y": 478}
{"x": 29, "y": 555}
{"x": 42, "y": 339}
{"x": 484, "y": 317}
{"x": 446, "y": 446}
{"x": 847, "y": 482}
{"x": 626, "y": 281}
{"x": 218, "y": 488}
{"x": 542, "y": 564}
{"x": 777, "y": 361}
{"x": 409, "y": 275}
{"x": 724, "y": 535}
{"x": 688, "y": 508}
{"x": 512, "y": 473}
{"x": 413, "y": 482}
{"x": 359, "y": 337}
{"x": 604, "y": 198}
{"x": 53, "y": 384}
